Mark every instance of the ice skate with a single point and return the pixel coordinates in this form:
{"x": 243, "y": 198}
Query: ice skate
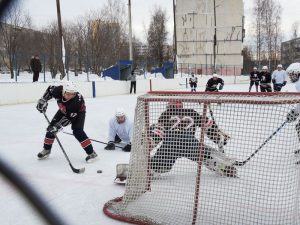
{"x": 44, "y": 154}
{"x": 91, "y": 157}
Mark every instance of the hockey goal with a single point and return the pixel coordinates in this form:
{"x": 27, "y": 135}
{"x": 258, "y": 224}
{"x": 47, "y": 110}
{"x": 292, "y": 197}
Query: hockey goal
{"x": 176, "y": 136}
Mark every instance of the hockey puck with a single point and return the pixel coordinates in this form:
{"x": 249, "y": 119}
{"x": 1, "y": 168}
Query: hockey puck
{"x": 99, "y": 171}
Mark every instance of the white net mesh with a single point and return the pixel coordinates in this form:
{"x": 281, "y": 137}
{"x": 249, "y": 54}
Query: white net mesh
{"x": 183, "y": 166}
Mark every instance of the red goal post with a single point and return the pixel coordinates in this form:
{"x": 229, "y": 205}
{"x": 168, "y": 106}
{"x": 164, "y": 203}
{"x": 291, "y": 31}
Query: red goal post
{"x": 170, "y": 180}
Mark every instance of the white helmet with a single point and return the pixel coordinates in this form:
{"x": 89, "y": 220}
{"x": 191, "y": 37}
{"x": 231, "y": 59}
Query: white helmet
{"x": 69, "y": 87}
{"x": 294, "y": 72}
{"x": 265, "y": 68}
{"x": 215, "y": 75}
{"x": 293, "y": 68}
{"x": 255, "y": 68}
{"x": 120, "y": 112}
{"x": 279, "y": 66}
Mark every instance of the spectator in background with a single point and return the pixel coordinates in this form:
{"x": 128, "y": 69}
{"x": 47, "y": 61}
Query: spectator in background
{"x": 265, "y": 80}
{"x": 36, "y": 67}
{"x": 279, "y": 78}
{"x": 133, "y": 79}
{"x": 215, "y": 83}
{"x": 254, "y": 79}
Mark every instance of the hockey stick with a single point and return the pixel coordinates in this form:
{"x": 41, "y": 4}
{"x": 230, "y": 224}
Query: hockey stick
{"x": 65, "y": 154}
{"x": 242, "y": 163}
{"x": 94, "y": 140}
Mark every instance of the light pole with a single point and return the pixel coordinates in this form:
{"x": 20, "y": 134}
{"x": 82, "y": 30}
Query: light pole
{"x": 60, "y": 39}
{"x": 130, "y": 30}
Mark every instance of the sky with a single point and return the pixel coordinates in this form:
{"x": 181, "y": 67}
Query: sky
{"x": 42, "y": 12}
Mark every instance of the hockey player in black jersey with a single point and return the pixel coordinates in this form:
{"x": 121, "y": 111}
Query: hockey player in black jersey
{"x": 265, "y": 79}
{"x": 72, "y": 111}
{"x": 215, "y": 83}
{"x": 193, "y": 82}
{"x": 254, "y": 79}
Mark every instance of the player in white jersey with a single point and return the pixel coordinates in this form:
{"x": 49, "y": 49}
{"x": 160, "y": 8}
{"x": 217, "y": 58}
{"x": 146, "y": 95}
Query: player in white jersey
{"x": 120, "y": 129}
{"x": 279, "y": 78}
{"x": 294, "y": 74}
{"x": 193, "y": 82}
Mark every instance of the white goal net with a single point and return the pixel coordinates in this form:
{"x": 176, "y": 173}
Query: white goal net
{"x": 212, "y": 159}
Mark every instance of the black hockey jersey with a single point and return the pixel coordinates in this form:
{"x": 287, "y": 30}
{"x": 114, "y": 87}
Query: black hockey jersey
{"x": 70, "y": 108}
{"x": 254, "y": 76}
{"x": 265, "y": 77}
{"x": 179, "y": 118}
{"x": 212, "y": 84}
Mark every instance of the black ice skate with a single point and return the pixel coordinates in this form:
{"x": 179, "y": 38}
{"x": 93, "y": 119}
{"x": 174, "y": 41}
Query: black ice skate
{"x": 91, "y": 157}
{"x": 44, "y": 154}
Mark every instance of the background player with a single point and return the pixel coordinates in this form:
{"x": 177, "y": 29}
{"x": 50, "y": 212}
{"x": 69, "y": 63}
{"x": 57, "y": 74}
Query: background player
{"x": 193, "y": 82}
{"x": 215, "y": 83}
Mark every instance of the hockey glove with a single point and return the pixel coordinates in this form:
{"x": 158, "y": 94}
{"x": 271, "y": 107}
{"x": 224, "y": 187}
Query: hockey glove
{"x": 42, "y": 105}
{"x": 284, "y": 83}
{"x": 110, "y": 146}
{"x": 127, "y": 148}
{"x": 53, "y": 129}
{"x": 292, "y": 116}
{"x": 221, "y": 87}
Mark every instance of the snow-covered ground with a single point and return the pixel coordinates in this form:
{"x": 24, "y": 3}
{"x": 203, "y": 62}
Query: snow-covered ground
{"x": 78, "y": 198}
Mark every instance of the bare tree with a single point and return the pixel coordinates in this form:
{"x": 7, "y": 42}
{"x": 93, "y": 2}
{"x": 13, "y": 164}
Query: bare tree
{"x": 295, "y": 29}
{"x": 11, "y": 29}
{"x": 157, "y": 36}
{"x": 267, "y": 14}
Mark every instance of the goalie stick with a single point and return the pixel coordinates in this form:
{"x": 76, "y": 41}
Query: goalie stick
{"x": 94, "y": 140}
{"x": 65, "y": 154}
{"x": 242, "y": 163}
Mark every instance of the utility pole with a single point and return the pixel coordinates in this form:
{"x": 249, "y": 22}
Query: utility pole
{"x": 215, "y": 35}
{"x": 130, "y": 30}
{"x": 175, "y": 38}
{"x": 60, "y": 38}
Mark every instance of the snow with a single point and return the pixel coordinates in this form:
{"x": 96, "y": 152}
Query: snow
{"x": 77, "y": 198}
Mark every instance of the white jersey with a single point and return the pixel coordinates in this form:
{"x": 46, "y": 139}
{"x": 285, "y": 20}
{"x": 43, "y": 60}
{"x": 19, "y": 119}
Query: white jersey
{"x": 123, "y": 130}
{"x": 279, "y": 76}
{"x": 193, "y": 80}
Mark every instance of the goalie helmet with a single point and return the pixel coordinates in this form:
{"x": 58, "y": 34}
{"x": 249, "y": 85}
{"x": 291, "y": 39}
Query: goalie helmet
{"x": 175, "y": 104}
{"x": 69, "y": 87}
{"x": 294, "y": 72}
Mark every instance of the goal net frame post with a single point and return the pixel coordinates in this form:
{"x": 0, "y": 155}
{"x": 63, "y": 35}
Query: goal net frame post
{"x": 218, "y": 98}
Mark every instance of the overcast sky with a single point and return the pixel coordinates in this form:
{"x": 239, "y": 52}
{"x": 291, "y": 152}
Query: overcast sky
{"x": 44, "y": 11}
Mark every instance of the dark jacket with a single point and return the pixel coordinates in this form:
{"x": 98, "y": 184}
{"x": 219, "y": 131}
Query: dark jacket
{"x": 36, "y": 65}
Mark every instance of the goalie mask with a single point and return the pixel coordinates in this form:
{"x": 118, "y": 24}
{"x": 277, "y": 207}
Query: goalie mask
{"x": 294, "y": 72}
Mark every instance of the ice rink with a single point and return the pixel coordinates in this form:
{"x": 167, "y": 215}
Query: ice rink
{"x": 77, "y": 198}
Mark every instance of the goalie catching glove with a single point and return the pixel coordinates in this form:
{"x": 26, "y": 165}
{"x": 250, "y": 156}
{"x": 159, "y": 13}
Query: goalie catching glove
{"x": 292, "y": 116}
{"x": 42, "y": 105}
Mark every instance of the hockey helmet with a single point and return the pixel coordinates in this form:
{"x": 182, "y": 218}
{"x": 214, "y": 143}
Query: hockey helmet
{"x": 294, "y": 72}
{"x": 254, "y": 68}
{"x": 215, "y": 75}
{"x": 264, "y": 68}
{"x": 69, "y": 87}
{"x": 279, "y": 66}
{"x": 120, "y": 112}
